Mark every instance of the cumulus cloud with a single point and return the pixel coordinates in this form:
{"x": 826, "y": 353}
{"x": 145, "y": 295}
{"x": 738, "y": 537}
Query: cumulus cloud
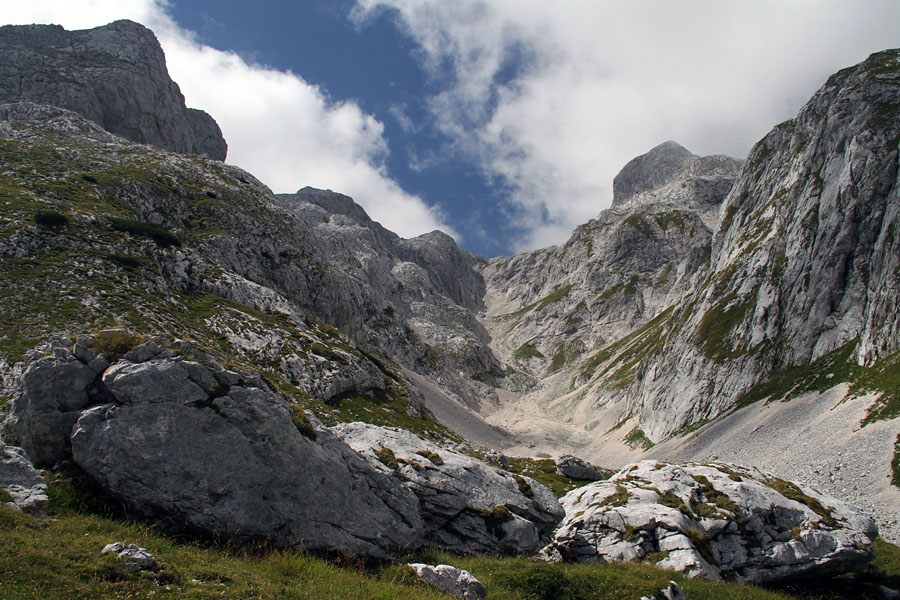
{"x": 284, "y": 130}
{"x": 551, "y": 99}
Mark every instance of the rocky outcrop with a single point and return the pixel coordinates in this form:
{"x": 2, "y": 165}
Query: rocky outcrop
{"x": 806, "y": 260}
{"x": 177, "y": 437}
{"x": 24, "y": 484}
{"x": 53, "y": 392}
{"x": 450, "y": 580}
{"x": 653, "y": 169}
{"x": 467, "y": 506}
{"x": 714, "y": 521}
{"x": 133, "y": 557}
{"x": 114, "y": 75}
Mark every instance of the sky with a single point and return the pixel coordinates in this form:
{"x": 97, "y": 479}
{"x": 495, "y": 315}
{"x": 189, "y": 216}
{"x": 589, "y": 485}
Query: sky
{"x": 500, "y": 122}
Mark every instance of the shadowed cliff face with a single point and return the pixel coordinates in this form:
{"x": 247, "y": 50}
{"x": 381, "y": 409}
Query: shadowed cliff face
{"x": 114, "y": 75}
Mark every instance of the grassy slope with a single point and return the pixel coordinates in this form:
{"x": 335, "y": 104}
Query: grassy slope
{"x": 60, "y": 558}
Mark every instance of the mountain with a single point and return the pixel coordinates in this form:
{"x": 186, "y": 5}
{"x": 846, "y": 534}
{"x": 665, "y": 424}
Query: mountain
{"x": 129, "y": 252}
{"x": 804, "y": 264}
{"x": 114, "y": 75}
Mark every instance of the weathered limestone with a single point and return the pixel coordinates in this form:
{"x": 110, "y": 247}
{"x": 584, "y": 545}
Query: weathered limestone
{"x": 467, "y": 506}
{"x": 577, "y": 468}
{"x": 22, "y": 481}
{"x": 450, "y": 580}
{"x": 714, "y": 521}
{"x": 114, "y": 75}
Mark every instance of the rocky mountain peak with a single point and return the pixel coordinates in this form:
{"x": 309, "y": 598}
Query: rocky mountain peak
{"x": 653, "y": 169}
{"x": 114, "y": 75}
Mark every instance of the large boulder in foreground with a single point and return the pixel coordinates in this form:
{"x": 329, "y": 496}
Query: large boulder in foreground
{"x": 467, "y": 505}
{"x": 201, "y": 448}
{"x": 714, "y": 521}
{"x": 213, "y": 452}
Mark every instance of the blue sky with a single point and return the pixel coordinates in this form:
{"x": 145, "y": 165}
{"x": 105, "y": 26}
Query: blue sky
{"x": 501, "y": 122}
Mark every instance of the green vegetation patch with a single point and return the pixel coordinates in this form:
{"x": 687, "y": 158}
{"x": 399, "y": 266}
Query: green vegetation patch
{"x": 639, "y": 222}
{"x": 115, "y": 343}
{"x": 543, "y": 470}
{"x": 636, "y": 437}
{"x": 822, "y": 374}
{"x": 672, "y": 501}
{"x": 555, "y": 296}
{"x": 717, "y": 324}
{"x": 387, "y": 457}
{"x": 302, "y": 423}
{"x": 792, "y": 492}
{"x": 159, "y": 234}
{"x": 434, "y": 457}
{"x": 882, "y": 377}
{"x": 50, "y": 218}
{"x": 565, "y": 354}
{"x": 527, "y": 351}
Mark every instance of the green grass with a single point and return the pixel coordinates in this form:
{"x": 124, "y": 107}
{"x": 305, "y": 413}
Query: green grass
{"x": 822, "y": 374}
{"x": 543, "y": 470}
{"x": 882, "y": 377}
{"x": 527, "y": 351}
{"x": 553, "y": 297}
{"x": 636, "y": 438}
{"x": 716, "y": 325}
{"x": 60, "y": 559}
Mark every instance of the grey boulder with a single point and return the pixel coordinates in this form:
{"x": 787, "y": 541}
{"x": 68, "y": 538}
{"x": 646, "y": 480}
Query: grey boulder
{"x": 450, "y": 580}
{"x": 22, "y": 481}
{"x": 52, "y": 391}
{"x": 714, "y": 521}
{"x": 467, "y": 506}
{"x": 577, "y": 468}
{"x": 230, "y": 461}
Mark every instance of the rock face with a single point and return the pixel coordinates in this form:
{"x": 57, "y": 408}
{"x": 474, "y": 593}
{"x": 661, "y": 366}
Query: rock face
{"x": 22, "y": 481}
{"x": 805, "y": 263}
{"x": 714, "y": 521}
{"x": 211, "y": 450}
{"x": 653, "y": 169}
{"x": 114, "y": 75}
{"x": 467, "y": 506}
{"x": 559, "y": 310}
{"x": 424, "y": 292}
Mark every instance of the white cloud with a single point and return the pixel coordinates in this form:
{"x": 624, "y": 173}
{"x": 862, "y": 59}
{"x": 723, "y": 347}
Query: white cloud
{"x": 282, "y": 129}
{"x": 604, "y": 81}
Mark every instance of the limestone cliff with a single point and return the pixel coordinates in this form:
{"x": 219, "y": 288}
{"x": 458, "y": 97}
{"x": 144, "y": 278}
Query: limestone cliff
{"x": 114, "y": 75}
{"x": 805, "y": 264}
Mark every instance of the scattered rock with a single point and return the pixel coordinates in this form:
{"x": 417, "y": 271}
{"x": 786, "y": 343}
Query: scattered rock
{"x": 456, "y": 582}
{"x": 497, "y": 459}
{"x": 670, "y": 592}
{"x": 22, "y": 481}
{"x": 467, "y": 506}
{"x": 135, "y": 558}
{"x": 714, "y": 521}
{"x": 576, "y": 468}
